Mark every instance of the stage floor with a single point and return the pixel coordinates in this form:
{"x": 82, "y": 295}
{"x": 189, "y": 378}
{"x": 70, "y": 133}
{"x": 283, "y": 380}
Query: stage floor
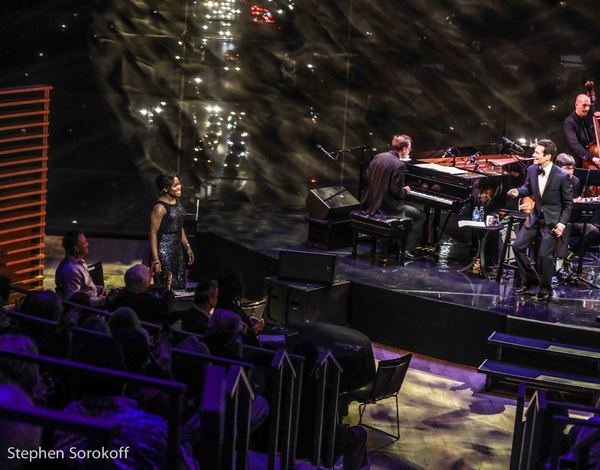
{"x": 266, "y": 231}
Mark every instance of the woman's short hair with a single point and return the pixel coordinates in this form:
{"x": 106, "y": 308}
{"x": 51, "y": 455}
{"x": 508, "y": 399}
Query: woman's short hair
{"x": 165, "y": 181}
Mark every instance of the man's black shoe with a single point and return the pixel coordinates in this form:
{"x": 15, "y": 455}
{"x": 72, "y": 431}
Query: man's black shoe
{"x": 525, "y": 288}
{"x": 543, "y": 296}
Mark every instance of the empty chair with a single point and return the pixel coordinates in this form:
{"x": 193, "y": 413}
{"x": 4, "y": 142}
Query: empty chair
{"x": 386, "y": 384}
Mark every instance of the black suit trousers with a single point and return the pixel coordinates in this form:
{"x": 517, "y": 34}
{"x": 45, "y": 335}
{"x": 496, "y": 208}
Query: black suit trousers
{"x": 546, "y": 255}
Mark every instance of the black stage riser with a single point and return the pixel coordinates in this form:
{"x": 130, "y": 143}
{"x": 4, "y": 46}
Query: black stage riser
{"x": 215, "y": 254}
{"x": 559, "y": 333}
{"x": 438, "y": 329}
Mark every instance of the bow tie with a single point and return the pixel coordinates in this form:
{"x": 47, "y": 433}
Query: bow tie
{"x": 541, "y": 171}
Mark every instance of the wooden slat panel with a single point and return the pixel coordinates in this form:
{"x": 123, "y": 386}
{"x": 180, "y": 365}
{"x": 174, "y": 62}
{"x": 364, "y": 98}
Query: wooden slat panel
{"x": 20, "y": 160}
{"x": 31, "y": 113}
{"x": 8, "y": 239}
{"x": 25, "y": 89}
{"x": 23, "y": 137}
{"x": 23, "y": 216}
{"x": 16, "y": 205}
{"x": 29, "y": 280}
{"x": 23, "y": 161}
{"x": 12, "y": 273}
{"x": 22, "y": 247}
{"x": 6, "y": 195}
{"x": 14, "y": 150}
{"x": 6, "y": 104}
{"x": 11, "y": 262}
{"x": 28, "y": 125}
{"x": 25, "y": 182}
{"x": 32, "y": 171}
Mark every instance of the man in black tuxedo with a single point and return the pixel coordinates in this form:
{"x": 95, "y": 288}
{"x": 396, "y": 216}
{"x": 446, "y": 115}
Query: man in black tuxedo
{"x": 551, "y": 189}
{"x": 387, "y": 194}
{"x": 578, "y": 129}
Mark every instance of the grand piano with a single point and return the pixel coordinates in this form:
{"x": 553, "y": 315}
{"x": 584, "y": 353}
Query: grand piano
{"x": 457, "y": 183}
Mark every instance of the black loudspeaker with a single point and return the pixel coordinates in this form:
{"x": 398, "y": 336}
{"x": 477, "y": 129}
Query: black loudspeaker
{"x": 330, "y": 203}
{"x": 305, "y": 266}
{"x": 300, "y": 302}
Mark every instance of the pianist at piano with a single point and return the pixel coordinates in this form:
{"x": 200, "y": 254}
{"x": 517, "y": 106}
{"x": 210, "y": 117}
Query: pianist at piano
{"x": 550, "y": 187}
{"x": 386, "y": 191}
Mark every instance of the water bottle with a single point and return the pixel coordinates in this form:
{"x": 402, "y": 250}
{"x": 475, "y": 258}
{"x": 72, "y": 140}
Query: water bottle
{"x": 591, "y": 277}
{"x": 481, "y": 214}
{"x": 475, "y": 216}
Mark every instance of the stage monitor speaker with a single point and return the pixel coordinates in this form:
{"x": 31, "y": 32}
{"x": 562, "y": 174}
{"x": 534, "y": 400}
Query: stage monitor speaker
{"x": 330, "y": 203}
{"x": 305, "y": 266}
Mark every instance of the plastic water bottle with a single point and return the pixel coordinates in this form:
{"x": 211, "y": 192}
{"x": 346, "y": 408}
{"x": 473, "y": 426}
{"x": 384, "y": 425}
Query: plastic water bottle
{"x": 481, "y": 214}
{"x": 475, "y": 216}
{"x": 591, "y": 277}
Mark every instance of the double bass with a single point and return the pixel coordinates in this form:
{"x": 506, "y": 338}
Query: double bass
{"x": 594, "y": 147}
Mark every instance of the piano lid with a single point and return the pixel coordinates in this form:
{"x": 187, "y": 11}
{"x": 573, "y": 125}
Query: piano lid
{"x": 441, "y": 168}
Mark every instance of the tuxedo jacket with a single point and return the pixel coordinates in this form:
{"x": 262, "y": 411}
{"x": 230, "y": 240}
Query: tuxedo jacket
{"x": 557, "y": 201}
{"x": 385, "y": 175}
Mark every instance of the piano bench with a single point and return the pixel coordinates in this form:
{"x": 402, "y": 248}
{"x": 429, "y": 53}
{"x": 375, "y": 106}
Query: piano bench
{"x": 385, "y": 227}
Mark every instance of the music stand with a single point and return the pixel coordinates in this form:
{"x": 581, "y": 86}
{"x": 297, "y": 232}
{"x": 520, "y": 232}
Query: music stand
{"x": 588, "y": 177}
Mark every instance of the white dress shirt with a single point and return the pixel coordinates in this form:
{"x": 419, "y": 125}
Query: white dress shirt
{"x": 543, "y": 178}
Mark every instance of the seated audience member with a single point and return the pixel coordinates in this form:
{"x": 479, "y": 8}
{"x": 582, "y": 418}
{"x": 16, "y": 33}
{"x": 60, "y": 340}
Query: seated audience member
{"x": 95, "y": 324}
{"x": 196, "y": 318}
{"x": 43, "y": 304}
{"x": 224, "y": 334}
{"x": 26, "y": 375}
{"x": 72, "y": 273}
{"x": 16, "y": 434}
{"x": 123, "y": 319}
{"x": 145, "y": 434}
{"x": 231, "y": 291}
{"x": 350, "y": 441}
{"x": 75, "y": 314}
{"x": 151, "y": 305}
{"x": 46, "y": 304}
{"x": 224, "y": 339}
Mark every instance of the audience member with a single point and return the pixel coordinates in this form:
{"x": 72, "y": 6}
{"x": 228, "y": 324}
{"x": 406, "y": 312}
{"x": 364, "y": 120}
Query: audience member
{"x": 24, "y": 374}
{"x": 151, "y": 305}
{"x": 16, "y": 434}
{"x": 72, "y": 273}
{"x": 231, "y": 291}
{"x": 350, "y": 441}
{"x": 224, "y": 339}
{"x": 73, "y": 314}
{"x": 95, "y": 324}
{"x": 50, "y": 341}
{"x": 196, "y": 318}
{"x": 123, "y": 319}
{"x": 145, "y": 434}
{"x": 44, "y": 304}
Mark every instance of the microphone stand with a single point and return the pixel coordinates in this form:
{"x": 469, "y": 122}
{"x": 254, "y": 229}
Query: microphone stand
{"x": 362, "y": 149}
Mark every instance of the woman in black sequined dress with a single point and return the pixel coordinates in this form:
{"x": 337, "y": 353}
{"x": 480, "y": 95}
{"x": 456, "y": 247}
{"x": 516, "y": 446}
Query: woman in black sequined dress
{"x": 167, "y": 237}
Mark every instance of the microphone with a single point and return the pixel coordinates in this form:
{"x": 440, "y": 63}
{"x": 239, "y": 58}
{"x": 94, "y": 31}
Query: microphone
{"x": 449, "y": 152}
{"x": 326, "y": 152}
{"x": 512, "y": 145}
{"x": 473, "y": 158}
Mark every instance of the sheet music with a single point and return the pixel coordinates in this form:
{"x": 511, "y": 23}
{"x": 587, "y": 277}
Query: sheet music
{"x": 442, "y": 169}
